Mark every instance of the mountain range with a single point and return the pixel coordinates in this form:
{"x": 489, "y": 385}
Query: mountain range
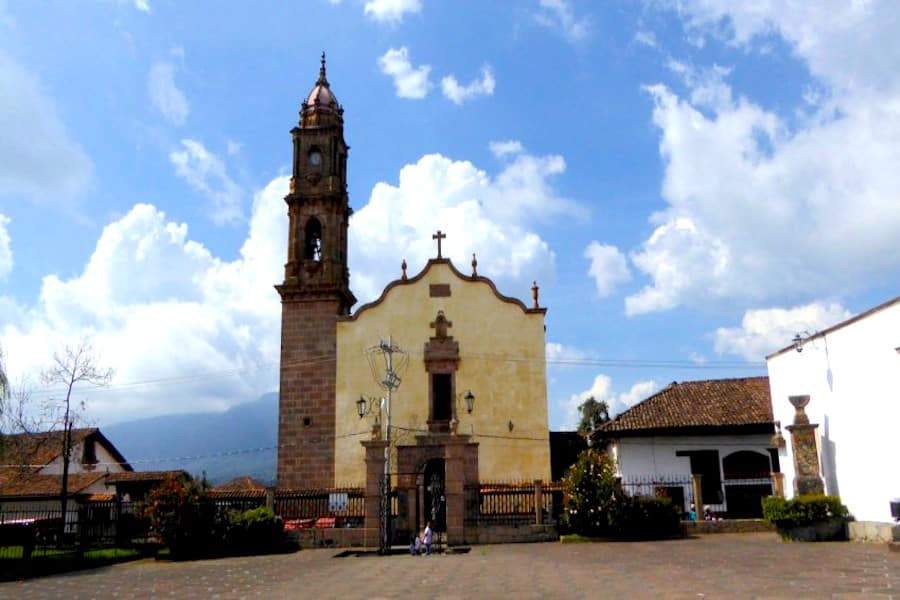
{"x": 224, "y": 445}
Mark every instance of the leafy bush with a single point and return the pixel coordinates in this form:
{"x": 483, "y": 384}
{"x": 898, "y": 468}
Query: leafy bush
{"x": 590, "y": 491}
{"x": 254, "y": 531}
{"x": 595, "y": 504}
{"x": 182, "y": 515}
{"x": 645, "y": 517}
{"x": 803, "y": 510}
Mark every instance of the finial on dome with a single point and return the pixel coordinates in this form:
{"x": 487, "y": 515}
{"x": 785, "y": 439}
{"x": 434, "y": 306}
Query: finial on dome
{"x": 534, "y": 293}
{"x": 322, "y": 79}
{"x": 474, "y": 266}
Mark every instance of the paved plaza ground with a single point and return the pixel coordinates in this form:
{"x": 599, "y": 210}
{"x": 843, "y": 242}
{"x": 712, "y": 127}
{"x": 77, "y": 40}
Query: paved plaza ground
{"x": 719, "y": 566}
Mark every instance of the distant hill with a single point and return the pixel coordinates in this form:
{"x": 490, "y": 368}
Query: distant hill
{"x": 197, "y": 435}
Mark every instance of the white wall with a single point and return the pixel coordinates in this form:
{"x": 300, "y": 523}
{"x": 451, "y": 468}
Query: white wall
{"x": 656, "y": 456}
{"x": 106, "y": 462}
{"x": 853, "y": 378}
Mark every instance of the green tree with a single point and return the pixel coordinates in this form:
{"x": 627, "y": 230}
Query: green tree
{"x": 593, "y": 413}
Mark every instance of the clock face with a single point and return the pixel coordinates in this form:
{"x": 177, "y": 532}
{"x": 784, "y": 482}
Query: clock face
{"x": 315, "y": 159}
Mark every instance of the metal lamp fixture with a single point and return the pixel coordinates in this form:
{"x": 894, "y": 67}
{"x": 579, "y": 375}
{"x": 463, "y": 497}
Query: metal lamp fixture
{"x": 470, "y": 401}
{"x": 361, "y": 407}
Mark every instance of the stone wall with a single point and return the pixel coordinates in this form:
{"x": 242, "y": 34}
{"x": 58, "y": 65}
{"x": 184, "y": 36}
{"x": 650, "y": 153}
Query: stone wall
{"x": 727, "y": 526}
{"x": 307, "y": 391}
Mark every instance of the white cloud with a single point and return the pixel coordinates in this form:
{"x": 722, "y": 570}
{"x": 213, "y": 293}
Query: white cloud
{"x": 763, "y": 208}
{"x": 6, "y": 255}
{"x": 157, "y": 305}
{"x": 608, "y": 267}
{"x": 491, "y": 216}
{"x": 391, "y": 11}
{"x": 458, "y": 94}
{"x": 142, "y": 5}
{"x": 165, "y": 95}
{"x": 206, "y": 173}
{"x": 410, "y": 82}
{"x": 558, "y": 15}
{"x": 764, "y": 331}
{"x": 646, "y": 38}
{"x": 561, "y": 353}
{"x": 505, "y": 148}
{"x": 602, "y": 389}
{"x": 38, "y": 157}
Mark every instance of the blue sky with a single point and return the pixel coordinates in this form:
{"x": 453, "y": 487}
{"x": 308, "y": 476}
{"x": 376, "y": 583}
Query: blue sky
{"x": 690, "y": 182}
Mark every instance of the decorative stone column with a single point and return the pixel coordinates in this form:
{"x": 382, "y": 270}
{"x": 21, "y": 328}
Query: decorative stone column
{"x": 374, "y": 477}
{"x": 454, "y": 489}
{"x": 807, "y": 476}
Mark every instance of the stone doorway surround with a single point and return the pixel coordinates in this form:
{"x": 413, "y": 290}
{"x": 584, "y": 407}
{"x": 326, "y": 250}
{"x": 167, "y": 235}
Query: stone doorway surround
{"x": 460, "y": 456}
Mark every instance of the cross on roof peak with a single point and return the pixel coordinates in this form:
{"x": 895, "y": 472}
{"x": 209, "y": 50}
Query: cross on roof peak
{"x": 439, "y": 236}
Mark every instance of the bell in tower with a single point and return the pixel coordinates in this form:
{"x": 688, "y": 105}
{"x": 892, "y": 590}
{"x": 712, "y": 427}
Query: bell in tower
{"x": 315, "y": 291}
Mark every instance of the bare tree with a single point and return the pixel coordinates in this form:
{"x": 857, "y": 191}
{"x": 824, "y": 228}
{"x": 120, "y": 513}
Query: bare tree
{"x": 74, "y": 367}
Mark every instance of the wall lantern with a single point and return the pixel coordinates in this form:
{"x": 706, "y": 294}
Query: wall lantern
{"x": 470, "y": 401}
{"x": 361, "y": 407}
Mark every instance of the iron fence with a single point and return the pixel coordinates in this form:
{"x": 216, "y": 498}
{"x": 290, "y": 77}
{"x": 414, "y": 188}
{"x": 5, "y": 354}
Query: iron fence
{"x": 346, "y": 506}
{"x": 510, "y": 503}
{"x": 677, "y": 488}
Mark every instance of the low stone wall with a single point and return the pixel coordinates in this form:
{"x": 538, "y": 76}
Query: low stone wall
{"x": 510, "y": 534}
{"x": 727, "y": 526}
{"x": 334, "y": 537}
{"x": 872, "y": 531}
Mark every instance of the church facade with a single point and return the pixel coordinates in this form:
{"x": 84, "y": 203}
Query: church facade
{"x": 465, "y": 345}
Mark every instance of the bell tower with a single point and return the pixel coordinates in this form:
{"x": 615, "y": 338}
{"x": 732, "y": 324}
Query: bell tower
{"x": 315, "y": 291}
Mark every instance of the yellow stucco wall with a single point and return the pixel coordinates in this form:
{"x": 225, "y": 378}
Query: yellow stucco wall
{"x": 502, "y": 361}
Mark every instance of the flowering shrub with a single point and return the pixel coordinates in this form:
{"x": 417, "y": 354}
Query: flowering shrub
{"x": 803, "y": 510}
{"x": 254, "y": 531}
{"x": 590, "y": 493}
{"x": 595, "y": 504}
{"x": 182, "y": 515}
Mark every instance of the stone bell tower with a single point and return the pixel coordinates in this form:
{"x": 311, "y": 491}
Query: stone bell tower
{"x": 315, "y": 291}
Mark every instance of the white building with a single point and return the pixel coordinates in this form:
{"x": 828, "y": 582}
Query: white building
{"x": 851, "y": 372}
{"x": 720, "y": 429}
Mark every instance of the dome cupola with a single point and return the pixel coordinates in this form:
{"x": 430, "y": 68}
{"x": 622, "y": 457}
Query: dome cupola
{"x": 321, "y": 106}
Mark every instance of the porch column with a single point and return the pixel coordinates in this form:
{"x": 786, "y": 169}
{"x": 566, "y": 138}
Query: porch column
{"x": 454, "y": 491}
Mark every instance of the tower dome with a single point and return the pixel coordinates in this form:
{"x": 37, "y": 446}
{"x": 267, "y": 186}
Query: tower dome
{"x": 321, "y": 106}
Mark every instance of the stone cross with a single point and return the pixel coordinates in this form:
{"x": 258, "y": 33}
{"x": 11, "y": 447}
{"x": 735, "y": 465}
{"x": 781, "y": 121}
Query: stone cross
{"x": 439, "y": 236}
{"x": 440, "y": 325}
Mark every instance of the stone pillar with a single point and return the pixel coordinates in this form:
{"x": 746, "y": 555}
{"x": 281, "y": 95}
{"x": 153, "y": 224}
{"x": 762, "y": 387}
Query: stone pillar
{"x": 807, "y": 477}
{"x": 778, "y": 484}
{"x": 374, "y": 477}
{"x": 454, "y": 491}
{"x": 270, "y": 498}
{"x": 698, "y": 494}
{"x": 538, "y": 502}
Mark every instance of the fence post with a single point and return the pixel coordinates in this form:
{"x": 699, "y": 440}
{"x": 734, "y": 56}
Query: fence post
{"x": 270, "y": 498}
{"x": 698, "y": 494}
{"x": 778, "y": 484}
{"x": 538, "y": 502}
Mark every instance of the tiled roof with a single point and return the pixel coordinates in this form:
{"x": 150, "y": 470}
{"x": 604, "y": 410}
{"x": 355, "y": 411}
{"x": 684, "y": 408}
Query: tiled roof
{"x": 240, "y": 484}
{"x": 148, "y": 476}
{"x": 698, "y": 405}
{"x": 31, "y": 485}
{"x": 38, "y": 448}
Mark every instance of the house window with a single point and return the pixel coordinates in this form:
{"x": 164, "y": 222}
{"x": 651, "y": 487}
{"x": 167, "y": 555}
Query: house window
{"x": 441, "y": 396}
{"x": 89, "y": 454}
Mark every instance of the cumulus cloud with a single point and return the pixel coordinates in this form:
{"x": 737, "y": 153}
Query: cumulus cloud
{"x": 165, "y": 95}
{"x": 391, "y": 11}
{"x": 207, "y": 174}
{"x": 38, "y": 157}
{"x": 609, "y": 268}
{"x": 602, "y": 389}
{"x": 409, "y": 81}
{"x": 763, "y": 208}
{"x": 158, "y": 305}
{"x": 559, "y": 16}
{"x": 763, "y": 331}
{"x": 491, "y": 216}
{"x": 646, "y": 38}
{"x": 6, "y": 255}
{"x": 458, "y": 94}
